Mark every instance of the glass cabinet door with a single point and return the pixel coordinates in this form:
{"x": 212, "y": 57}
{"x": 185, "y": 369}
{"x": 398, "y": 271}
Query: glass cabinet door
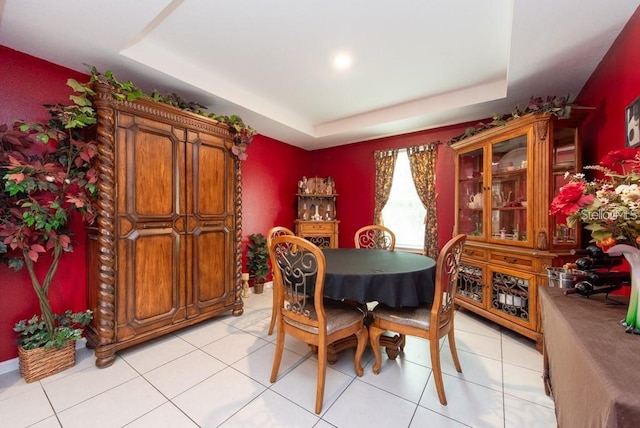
{"x": 511, "y": 295}
{"x": 564, "y": 160}
{"x": 470, "y": 193}
{"x": 509, "y": 195}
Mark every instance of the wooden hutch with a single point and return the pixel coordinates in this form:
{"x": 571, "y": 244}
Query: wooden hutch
{"x": 506, "y": 178}
{"x": 316, "y": 219}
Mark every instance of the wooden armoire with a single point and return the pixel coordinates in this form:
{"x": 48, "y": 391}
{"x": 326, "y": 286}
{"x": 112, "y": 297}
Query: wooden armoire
{"x": 166, "y": 252}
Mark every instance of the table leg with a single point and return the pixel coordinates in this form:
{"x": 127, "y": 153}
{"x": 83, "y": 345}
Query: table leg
{"x": 393, "y": 346}
{"x": 546, "y": 378}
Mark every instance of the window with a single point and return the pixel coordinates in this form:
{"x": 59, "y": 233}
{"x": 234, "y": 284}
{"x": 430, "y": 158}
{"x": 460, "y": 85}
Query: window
{"x": 404, "y": 213}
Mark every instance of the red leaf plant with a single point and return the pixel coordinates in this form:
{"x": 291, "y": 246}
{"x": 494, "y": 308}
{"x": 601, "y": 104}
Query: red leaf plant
{"x": 48, "y": 176}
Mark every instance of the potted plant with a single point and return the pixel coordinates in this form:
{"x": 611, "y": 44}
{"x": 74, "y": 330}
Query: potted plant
{"x": 258, "y": 260}
{"x": 48, "y": 178}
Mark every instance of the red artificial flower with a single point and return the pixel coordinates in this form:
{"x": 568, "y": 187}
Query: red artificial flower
{"x": 623, "y": 156}
{"x": 570, "y": 199}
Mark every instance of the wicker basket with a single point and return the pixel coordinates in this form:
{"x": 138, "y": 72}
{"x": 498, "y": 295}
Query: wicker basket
{"x": 36, "y": 364}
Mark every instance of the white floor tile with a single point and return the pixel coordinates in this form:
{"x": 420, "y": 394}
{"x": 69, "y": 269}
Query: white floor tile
{"x": 398, "y": 377}
{"x": 202, "y": 334}
{"x": 270, "y": 410}
{"x": 148, "y": 356}
{"x": 428, "y": 418}
{"x": 77, "y": 387}
{"x": 416, "y": 350}
{"x": 475, "y": 368}
{"x": 520, "y": 351}
{"x": 380, "y": 409}
{"x": 299, "y": 385}
{"x": 183, "y": 373}
{"x": 217, "y": 398}
{"x": 525, "y": 384}
{"x": 115, "y": 407}
{"x": 165, "y": 416}
{"x": 12, "y": 384}
{"x": 468, "y": 321}
{"x": 234, "y": 346}
{"x": 490, "y": 347}
{"x": 521, "y": 413}
{"x": 258, "y": 364}
{"x": 467, "y": 402}
{"x": 51, "y": 422}
{"x": 26, "y": 408}
{"x": 248, "y": 318}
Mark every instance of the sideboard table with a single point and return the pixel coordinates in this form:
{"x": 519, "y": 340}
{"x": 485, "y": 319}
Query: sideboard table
{"x": 591, "y": 366}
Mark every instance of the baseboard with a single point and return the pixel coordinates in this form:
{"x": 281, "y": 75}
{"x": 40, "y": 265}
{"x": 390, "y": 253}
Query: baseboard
{"x": 9, "y": 366}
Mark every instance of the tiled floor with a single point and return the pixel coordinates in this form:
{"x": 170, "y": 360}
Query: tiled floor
{"x": 216, "y": 374}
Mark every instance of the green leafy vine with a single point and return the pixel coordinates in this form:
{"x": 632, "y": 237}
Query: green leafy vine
{"x": 557, "y": 106}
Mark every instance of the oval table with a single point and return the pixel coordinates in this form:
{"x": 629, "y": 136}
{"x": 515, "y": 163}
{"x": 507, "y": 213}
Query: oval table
{"x": 394, "y": 278}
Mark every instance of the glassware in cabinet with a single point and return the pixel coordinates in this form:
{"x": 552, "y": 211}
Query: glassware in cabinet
{"x": 509, "y": 190}
{"x": 471, "y": 192}
{"x": 565, "y": 162}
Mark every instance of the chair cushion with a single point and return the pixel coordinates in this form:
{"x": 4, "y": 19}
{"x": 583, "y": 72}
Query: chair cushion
{"x": 418, "y": 317}
{"x": 340, "y": 315}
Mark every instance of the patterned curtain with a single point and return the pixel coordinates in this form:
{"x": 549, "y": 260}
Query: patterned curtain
{"x": 423, "y": 170}
{"x": 385, "y": 163}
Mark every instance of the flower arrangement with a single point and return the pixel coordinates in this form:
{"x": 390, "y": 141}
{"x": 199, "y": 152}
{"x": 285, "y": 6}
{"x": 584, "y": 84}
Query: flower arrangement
{"x": 609, "y": 206}
{"x": 242, "y": 135}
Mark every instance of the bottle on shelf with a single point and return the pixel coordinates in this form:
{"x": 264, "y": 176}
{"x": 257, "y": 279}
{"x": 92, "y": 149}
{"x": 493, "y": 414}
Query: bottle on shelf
{"x": 589, "y": 263}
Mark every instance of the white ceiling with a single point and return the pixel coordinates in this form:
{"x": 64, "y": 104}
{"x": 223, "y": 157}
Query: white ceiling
{"x": 417, "y": 64}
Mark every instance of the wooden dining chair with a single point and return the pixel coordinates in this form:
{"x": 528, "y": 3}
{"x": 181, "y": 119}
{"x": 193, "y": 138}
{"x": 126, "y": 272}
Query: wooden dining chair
{"x": 375, "y": 236}
{"x": 272, "y": 233}
{"x": 299, "y": 271}
{"x": 432, "y": 321}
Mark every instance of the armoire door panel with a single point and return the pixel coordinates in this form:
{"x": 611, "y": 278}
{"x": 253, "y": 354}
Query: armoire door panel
{"x": 210, "y": 197}
{"x": 152, "y": 166}
{"x": 211, "y": 265}
{"x": 151, "y": 260}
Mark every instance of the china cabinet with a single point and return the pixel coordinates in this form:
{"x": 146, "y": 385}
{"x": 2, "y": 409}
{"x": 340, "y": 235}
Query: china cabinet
{"x": 506, "y": 178}
{"x": 316, "y": 220}
{"x": 166, "y": 253}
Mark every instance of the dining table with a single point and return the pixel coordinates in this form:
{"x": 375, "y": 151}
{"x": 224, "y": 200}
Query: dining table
{"x": 370, "y": 276}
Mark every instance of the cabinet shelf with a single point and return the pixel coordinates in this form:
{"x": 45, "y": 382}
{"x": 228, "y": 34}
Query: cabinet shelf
{"x": 472, "y": 179}
{"x": 316, "y": 219}
{"x": 509, "y": 175}
{"x": 520, "y": 208}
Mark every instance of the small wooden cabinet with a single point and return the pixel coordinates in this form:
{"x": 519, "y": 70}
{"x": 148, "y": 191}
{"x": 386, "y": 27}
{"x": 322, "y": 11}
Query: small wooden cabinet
{"x": 506, "y": 178}
{"x": 316, "y": 219}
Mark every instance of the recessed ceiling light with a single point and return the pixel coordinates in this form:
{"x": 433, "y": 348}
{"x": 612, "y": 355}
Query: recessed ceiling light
{"x": 342, "y": 61}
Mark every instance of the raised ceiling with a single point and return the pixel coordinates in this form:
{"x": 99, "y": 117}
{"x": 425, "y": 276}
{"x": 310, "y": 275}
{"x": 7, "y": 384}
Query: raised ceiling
{"x": 416, "y": 64}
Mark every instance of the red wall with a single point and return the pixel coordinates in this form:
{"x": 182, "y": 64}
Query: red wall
{"x": 611, "y": 88}
{"x": 269, "y": 183}
{"x": 27, "y": 83}
{"x": 271, "y": 173}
